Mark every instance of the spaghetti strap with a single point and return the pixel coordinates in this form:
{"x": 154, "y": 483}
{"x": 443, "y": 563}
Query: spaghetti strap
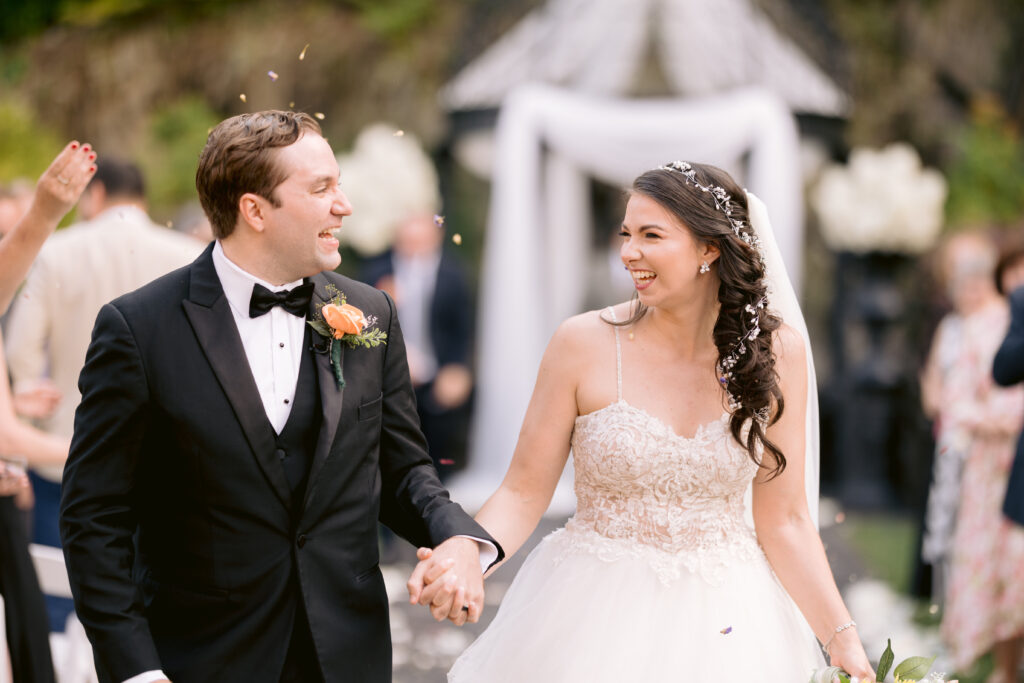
{"x": 618, "y": 356}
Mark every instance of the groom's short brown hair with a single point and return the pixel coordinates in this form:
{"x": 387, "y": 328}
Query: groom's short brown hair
{"x": 239, "y": 158}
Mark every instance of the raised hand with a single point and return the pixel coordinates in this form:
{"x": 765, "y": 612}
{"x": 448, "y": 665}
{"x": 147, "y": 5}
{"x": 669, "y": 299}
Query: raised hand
{"x": 58, "y": 189}
{"x": 449, "y": 580}
{"x": 62, "y": 183}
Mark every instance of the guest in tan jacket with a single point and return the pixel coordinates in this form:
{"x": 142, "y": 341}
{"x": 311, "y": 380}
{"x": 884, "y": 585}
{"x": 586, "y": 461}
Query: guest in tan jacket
{"x": 115, "y": 250}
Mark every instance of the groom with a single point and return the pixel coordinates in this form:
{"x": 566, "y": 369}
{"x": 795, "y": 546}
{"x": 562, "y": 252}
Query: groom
{"x": 221, "y": 499}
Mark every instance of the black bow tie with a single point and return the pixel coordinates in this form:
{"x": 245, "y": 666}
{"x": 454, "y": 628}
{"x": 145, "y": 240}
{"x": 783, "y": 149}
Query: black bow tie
{"x": 295, "y": 301}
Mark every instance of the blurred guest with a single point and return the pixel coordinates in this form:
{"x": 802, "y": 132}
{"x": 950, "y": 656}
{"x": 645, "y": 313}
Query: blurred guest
{"x": 426, "y": 280}
{"x": 191, "y": 221}
{"x": 434, "y": 307}
{"x": 116, "y": 250}
{"x": 27, "y": 631}
{"x": 977, "y": 425}
{"x": 955, "y": 366}
{"x": 15, "y": 198}
{"x": 1008, "y": 368}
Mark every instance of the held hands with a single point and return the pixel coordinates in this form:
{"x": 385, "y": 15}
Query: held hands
{"x": 448, "y": 579}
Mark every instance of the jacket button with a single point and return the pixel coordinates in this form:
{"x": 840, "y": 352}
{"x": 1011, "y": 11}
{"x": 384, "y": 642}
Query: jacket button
{"x": 301, "y": 540}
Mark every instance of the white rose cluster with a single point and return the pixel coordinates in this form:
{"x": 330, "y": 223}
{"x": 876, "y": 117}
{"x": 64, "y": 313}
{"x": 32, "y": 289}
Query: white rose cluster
{"x": 882, "y": 200}
{"x": 387, "y": 178}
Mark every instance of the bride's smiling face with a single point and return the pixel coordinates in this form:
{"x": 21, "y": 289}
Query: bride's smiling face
{"x": 661, "y": 253}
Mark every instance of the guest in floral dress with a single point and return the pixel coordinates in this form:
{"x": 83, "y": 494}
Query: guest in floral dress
{"x": 984, "y": 608}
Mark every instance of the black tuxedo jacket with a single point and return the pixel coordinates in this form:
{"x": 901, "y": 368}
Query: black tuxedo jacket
{"x": 183, "y": 547}
{"x": 1008, "y": 369}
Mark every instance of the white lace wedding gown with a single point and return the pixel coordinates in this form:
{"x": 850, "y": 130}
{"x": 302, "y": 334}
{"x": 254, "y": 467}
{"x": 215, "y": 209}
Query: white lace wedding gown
{"x": 657, "y": 577}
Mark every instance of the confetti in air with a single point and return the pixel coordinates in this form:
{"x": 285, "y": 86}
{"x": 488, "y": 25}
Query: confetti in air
{"x": 170, "y": 224}
{"x": 242, "y": 97}
{"x": 319, "y": 115}
{"x": 726, "y": 631}
{"x": 840, "y": 517}
{"x": 291, "y": 105}
{"x": 302, "y": 55}
{"x": 439, "y": 221}
{"x": 446, "y": 461}
{"x": 273, "y": 75}
{"x": 457, "y": 239}
{"x": 399, "y": 133}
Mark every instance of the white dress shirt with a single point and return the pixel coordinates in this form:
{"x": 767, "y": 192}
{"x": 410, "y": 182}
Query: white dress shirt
{"x": 273, "y": 347}
{"x": 272, "y": 342}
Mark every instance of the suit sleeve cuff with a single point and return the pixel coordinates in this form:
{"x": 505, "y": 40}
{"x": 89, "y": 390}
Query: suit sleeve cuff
{"x": 488, "y": 553}
{"x": 148, "y": 677}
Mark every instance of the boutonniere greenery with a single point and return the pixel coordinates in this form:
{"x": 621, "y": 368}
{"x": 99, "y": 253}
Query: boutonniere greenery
{"x": 339, "y": 322}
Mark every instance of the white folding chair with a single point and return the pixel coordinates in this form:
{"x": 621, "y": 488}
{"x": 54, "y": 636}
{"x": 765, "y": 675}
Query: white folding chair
{"x": 5, "y": 659}
{"x": 72, "y": 653}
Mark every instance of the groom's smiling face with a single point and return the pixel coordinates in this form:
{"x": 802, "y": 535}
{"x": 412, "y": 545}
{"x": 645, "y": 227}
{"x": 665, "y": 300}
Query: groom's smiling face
{"x": 299, "y": 232}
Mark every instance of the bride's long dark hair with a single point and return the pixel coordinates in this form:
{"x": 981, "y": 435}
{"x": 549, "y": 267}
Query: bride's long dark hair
{"x": 754, "y": 382}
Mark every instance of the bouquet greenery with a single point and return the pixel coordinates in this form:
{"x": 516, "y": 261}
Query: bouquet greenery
{"x": 911, "y": 669}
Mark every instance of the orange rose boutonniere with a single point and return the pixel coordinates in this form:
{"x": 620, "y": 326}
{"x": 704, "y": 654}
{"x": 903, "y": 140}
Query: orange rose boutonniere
{"x": 343, "y": 319}
{"x": 338, "y": 321}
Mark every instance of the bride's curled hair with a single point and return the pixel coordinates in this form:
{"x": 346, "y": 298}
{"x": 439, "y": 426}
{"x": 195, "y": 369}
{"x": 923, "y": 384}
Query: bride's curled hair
{"x": 754, "y": 382}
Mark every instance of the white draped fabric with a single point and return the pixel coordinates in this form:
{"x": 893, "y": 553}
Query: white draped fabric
{"x": 548, "y": 142}
{"x": 599, "y": 46}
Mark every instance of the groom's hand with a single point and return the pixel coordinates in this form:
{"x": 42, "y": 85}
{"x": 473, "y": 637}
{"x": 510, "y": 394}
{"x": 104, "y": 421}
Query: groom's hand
{"x": 449, "y": 578}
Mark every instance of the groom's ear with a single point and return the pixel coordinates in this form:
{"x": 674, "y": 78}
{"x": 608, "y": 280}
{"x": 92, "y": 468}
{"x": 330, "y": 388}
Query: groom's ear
{"x": 252, "y": 209}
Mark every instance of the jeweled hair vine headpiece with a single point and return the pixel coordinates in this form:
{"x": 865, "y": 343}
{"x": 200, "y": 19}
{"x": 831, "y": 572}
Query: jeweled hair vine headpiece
{"x": 742, "y": 230}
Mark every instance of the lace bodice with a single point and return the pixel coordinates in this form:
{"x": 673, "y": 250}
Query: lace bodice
{"x": 642, "y": 489}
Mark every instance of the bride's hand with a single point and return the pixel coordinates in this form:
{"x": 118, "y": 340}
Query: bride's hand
{"x": 846, "y": 652}
{"x": 451, "y": 587}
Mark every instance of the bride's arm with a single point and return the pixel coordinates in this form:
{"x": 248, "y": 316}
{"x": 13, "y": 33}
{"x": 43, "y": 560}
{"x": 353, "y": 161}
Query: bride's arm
{"x": 513, "y": 511}
{"x": 784, "y": 526}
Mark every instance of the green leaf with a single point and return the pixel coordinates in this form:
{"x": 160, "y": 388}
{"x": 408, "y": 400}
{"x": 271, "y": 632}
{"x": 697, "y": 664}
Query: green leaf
{"x": 914, "y": 668}
{"x": 885, "y": 663}
{"x": 321, "y": 328}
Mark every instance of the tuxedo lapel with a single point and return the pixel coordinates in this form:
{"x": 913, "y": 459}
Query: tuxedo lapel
{"x": 331, "y": 394}
{"x": 209, "y": 313}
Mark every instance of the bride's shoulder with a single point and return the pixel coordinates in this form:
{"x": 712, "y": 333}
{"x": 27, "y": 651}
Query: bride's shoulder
{"x": 578, "y": 333}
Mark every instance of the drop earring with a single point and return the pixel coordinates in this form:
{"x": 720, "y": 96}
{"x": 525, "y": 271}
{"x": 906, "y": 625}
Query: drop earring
{"x": 705, "y": 268}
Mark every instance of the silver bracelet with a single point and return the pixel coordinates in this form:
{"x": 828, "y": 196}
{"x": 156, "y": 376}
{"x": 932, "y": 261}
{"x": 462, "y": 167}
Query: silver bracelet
{"x": 838, "y": 630}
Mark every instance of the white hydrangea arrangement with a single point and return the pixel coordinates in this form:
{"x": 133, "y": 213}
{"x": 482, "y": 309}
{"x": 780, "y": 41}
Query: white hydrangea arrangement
{"x": 882, "y": 200}
{"x": 387, "y": 178}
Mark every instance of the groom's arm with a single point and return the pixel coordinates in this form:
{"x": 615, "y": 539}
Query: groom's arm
{"x": 97, "y": 514}
{"x": 414, "y": 503}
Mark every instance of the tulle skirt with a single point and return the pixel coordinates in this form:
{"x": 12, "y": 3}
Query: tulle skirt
{"x": 577, "y": 614}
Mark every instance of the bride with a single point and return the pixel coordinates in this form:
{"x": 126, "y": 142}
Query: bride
{"x": 672, "y": 406}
